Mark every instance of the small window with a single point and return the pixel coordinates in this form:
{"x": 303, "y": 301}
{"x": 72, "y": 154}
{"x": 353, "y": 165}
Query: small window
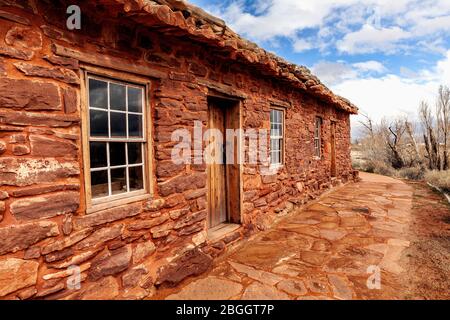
{"x": 117, "y": 138}
{"x": 276, "y": 136}
{"x": 318, "y": 137}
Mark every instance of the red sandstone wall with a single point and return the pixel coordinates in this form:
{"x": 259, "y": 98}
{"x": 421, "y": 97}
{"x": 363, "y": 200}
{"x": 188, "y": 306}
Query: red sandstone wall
{"x": 124, "y": 252}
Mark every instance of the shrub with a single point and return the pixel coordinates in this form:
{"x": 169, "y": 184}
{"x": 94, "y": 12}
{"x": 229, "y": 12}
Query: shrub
{"x": 439, "y": 179}
{"x": 413, "y": 173}
{"x": 378, "y": 167}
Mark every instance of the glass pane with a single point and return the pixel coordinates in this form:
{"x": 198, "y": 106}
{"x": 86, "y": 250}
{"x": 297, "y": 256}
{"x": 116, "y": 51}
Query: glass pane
{"x": 98, "y": 154}
{"x": 135, "y": 125}
{"x": 134, "y": 99}
{"x": 117, "y": 154}
{"x": 99, "y": 184}
{"x": 98, "y": 94}
{"x": 272, "y": 115}
{"x": 134, "y": 153}
{"x": 136, "y": 178}
{"x": 98, "y": 121}
{"x": 118, "y": 124}
{"x": 118, "y": 181}
{"x": 117, "y": 97}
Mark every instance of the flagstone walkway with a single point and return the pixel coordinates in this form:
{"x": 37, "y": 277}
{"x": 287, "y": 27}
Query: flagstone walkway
{"x": 326, "y": 251}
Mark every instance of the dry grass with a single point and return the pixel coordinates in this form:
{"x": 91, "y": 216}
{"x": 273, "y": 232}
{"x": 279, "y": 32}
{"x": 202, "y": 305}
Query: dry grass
{"x": 439, "y": 179}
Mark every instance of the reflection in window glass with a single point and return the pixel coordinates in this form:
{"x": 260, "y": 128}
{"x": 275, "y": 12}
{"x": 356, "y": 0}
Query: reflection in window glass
{"x": 98, "y": 94}
{"x": 117, "y": 154}
{"x": 118, "y": 124}
{"x": 99, "y": 184}
{"x": 98, "y": 152}
{"x": 117, "y": 97}
{"x": 136, "y": 178}
{"x": 134, "y": 100}
{"x": 135, "y": 125}
{"x": 98, "y": 123}
{"x": 134, "y": 153}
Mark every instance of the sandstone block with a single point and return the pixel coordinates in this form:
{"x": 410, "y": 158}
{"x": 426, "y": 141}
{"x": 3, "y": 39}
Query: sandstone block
{"x": 16, "y": 274}
{"x": 142, "y": 251}
{"x": 66, "y": 242}
{"x": 99, "y": 237}
{"x": 117, "y": 261}
{"x": 27, "y": 38}
{"x": 29, "y": 95}
{"x": 56, "y": 73}
{"x": 26, "y": 171}
{"x": 18, "y": 237}
{"x": 22, "y": 54}
{"x": 42, "y": 146}
{"x": 46, "y": 206}
{"x": 192, "y": 263}
{"x": 106, "y": 216}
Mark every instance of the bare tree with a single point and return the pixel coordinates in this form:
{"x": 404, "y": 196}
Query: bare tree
{"x": 429, "y": 137}
{"x": 394, "y": 140}
{"x": 443, "y": 122}
{"x": 410, "y": 130}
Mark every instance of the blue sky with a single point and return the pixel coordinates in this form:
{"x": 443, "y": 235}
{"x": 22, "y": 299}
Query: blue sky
{"x": 384, "y": 55}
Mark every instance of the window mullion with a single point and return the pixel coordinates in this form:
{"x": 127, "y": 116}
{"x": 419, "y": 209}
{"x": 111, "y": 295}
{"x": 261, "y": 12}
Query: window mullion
{"x": 109, "y": 169}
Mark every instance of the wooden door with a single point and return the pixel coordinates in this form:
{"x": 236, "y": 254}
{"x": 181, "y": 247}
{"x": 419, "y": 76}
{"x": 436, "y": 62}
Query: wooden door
{"x": 333, "y": 149}
{"x": 216, "y": 171}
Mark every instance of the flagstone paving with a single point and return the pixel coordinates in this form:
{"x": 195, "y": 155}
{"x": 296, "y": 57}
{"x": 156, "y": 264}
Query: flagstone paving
{"x": 326, "y": 251}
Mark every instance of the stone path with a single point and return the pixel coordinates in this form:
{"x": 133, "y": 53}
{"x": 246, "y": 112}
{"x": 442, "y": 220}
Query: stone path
{"x": 322, "y": 252}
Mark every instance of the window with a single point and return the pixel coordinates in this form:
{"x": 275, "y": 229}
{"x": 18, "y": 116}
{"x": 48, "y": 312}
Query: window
{"x": 276, "y": 136}
{"x": 318, "y": 137}
{"x": 117, "y": 138}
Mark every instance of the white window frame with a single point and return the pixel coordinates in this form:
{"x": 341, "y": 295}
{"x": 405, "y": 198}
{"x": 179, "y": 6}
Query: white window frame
{"x": 280, "y": 138}
{"x": 96, "y": 204}
{"x": 318, "y": 122}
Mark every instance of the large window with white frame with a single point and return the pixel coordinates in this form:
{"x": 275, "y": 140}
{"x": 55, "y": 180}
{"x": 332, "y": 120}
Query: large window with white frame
{"x": 318, "y": 137}
{"x": 276, "y": 136}
{"x": 117, "y": 138}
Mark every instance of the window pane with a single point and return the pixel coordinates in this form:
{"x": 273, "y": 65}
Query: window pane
{"x": 98, "y": 121}
{"x": 98, "y": 154}
{"x": 118, "y": 181}
{"x": 98, "y": 94}
{"x": 117, "y": 154}
{"x": 136, "y": 178}
{"x": 272, "y": 115}
{"x": 118, "y": 124}
{"x": 117, "y": 97}
{"x": 99, "y": 184}
{"x": 134, "y": 153}
{"x": 134, "y": 99}
{"x": 135, "y": 125}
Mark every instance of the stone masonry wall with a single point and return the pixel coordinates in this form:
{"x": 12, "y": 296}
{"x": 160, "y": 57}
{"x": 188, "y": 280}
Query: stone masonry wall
{"x": 127, "y": 252}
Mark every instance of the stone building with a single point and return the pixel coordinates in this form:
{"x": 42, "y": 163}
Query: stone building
{"x": 92, "y": 204}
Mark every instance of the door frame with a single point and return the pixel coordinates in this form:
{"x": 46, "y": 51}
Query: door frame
{"x": 234, "y": 218}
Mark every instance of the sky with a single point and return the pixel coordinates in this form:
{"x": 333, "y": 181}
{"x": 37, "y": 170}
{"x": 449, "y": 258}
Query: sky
{"x": 386, "y": 56}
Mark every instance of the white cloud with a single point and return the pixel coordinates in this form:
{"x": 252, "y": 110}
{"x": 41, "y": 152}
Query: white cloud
{"x": 333, "y": 73}
{"x": 392, "y": 95}
{"x": 370, "y": 39}
{"x": 370, "y": 66}
{"x": 302, "y": 45}
{"x": 351, "y": 26}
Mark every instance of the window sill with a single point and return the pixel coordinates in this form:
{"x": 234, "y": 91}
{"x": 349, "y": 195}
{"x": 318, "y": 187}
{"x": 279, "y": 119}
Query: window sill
{"x": 276, "y": 166}
{"x": 108, "y": 204}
